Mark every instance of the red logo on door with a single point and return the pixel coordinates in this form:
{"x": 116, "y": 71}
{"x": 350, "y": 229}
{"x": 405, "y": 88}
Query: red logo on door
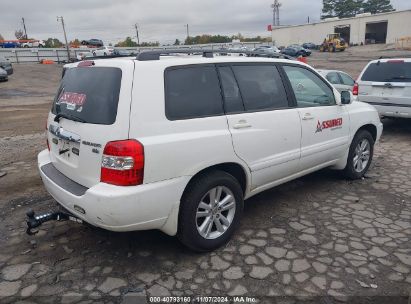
{"x": 329, "y": 124}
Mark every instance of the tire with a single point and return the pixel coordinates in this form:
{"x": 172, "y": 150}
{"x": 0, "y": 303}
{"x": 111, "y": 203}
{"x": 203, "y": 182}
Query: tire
{"x": 200, "y": 191}
{"x": 353, "y": 169}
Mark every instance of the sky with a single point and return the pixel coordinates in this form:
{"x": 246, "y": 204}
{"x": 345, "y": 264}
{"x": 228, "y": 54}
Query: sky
{"x": 158, "y": 20}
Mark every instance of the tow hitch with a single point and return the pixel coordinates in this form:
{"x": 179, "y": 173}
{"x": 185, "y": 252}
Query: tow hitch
{"x": 34, "y": 221}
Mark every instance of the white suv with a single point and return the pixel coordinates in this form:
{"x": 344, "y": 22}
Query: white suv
{"x": 177, "y": 143}
{"x": 386, "y": 84}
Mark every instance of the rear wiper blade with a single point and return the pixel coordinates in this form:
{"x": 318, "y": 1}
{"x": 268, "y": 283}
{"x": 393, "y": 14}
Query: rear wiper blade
{"x": 398, "y": 78}
{"x": 67, "y": 116}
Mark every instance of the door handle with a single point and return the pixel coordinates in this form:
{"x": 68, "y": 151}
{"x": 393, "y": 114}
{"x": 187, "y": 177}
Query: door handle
{"x": 242, "y": 124}
{"x": 307, "y": 116}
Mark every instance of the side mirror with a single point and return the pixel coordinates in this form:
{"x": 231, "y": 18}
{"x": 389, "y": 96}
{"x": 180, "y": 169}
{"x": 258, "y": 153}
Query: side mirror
{"x": 346, "y": 97}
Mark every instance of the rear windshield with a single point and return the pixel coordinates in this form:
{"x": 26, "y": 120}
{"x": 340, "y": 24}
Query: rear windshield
{"x": 388, "y": 72}
{"x": 89, "y": 94}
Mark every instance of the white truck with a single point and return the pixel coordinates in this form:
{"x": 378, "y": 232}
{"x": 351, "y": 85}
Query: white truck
{"x": 177, "y": 143}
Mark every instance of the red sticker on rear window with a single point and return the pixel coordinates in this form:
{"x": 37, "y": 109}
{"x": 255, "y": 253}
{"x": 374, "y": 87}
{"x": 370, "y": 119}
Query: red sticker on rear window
{"x": 73, "y": 101}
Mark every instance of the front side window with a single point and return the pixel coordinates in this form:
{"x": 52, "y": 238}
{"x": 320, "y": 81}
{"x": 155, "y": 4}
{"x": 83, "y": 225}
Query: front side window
{"x": 309, "y": 89}
{"x": 192, "y": 92}
{"x": 261, "y": 87}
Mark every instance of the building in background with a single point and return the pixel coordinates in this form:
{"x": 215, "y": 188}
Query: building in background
{"x": 363, "y": 28}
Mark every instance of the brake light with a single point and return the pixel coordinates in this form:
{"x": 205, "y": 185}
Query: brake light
{"x": 395, "y": 61}
{"x": 355, "y": 89}
{"x": 123, "y": 163}
{"x": 86, "y": 63}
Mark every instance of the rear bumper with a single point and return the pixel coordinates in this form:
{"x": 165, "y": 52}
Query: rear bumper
{"x": 143, "y": 207}
{"x": 391, "y": 110}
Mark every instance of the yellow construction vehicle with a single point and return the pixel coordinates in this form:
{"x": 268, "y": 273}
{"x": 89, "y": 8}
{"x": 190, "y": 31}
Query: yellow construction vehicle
{"x": 333, "y": 43}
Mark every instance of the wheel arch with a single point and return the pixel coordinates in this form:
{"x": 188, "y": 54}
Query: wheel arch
{"x": 370, "y": 128}
{"x": 232, "y": 168}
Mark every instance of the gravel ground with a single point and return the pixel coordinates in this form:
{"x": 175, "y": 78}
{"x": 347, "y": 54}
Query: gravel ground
{"x": 318, "y": 239}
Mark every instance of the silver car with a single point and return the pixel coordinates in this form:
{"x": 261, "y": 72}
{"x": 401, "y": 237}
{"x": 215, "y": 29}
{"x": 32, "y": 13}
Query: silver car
{"x": 340, "y": 80}
{"x": 3, "y": 75}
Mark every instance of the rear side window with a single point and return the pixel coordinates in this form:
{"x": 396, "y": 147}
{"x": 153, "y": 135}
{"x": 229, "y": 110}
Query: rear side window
{"x": 261, "y": 87}
{"x": 395, "y": 71}
{"x": 347, "y": 80}
{"x": 192, "y": 92}
{"x": 232, "y": 98}
{"x": 333, "y": 78}
{"x": 89, "y": 94}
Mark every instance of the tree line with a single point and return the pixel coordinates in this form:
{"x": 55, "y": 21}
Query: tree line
{"x": 350, "y": 8}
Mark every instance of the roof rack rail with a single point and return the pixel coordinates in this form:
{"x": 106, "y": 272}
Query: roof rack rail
{"x": 208, "y": 53}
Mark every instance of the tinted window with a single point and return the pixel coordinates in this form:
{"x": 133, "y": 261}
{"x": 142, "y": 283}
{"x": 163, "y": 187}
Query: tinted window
{"x": 309, "y": 89}
{"x": 89, "y": 94}
{"x": 333, "y": 78}
{"x": 261, "y": 87}
{"x": 232, "y": 97}
{"x": 388, "y": 72}
{"x": 193, "y": 92}
{"x": 347, "y": 80}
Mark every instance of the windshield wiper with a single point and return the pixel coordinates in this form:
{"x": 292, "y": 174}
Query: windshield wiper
{"x": 67, "y": 116}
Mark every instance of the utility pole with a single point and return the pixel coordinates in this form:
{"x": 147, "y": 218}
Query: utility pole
{"x": 60, "y": 18}
{"x": 138, "y": 38}
{"x": 24, "y": 26}
{"x": 276, "y": 12}
{"x": 188, "y": 32}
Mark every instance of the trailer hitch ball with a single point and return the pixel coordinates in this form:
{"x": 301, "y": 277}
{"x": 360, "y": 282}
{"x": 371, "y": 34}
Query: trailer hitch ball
{"x": 34, "y": 221}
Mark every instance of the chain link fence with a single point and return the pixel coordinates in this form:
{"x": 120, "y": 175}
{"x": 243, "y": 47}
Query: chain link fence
{"x": 59, "y": 55}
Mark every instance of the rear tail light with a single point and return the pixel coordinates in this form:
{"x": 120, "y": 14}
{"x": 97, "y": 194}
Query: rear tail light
{"x": 123, "y": 163}
{"x": 355, "y": 89}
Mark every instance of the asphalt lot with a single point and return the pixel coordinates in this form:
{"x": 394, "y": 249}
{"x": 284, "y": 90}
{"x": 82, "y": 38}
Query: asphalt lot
{"x": 320, "y": 235}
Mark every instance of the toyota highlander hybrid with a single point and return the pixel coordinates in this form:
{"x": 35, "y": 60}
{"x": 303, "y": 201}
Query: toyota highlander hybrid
{"x": 177, "y": 142}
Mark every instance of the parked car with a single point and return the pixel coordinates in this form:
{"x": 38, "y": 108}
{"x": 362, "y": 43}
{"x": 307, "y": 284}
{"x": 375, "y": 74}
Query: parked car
{"x": 3, "y": 75}
{"x": 9, "y": 44}
{"x": 171, "y": 144}
{"x": 93, "y": 42}
{"x": 83, "y": 55}
{"x": 34, "y": 44}
{"x": 6, "y": 65}
{"x": 386, "y": 84}
{"x": 120, "y": 52}
{"x": 340, "y": 80}
{"x": 103, "y": 51}
{"x": 301, "y": 51}
{"x": 273, "y": 52}
{"x": 291, "y": 51}
{"x": 309, "y": 46}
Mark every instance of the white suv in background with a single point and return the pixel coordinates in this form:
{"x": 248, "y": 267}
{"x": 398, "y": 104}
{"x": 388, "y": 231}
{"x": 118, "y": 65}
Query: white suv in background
{"x": 176, "y": 143}
{"x": 386, "y": 84}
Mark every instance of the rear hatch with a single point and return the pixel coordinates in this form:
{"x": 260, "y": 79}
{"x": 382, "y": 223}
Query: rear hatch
{"x": 94, "y": 104}
{"x": 386, "y": 82}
